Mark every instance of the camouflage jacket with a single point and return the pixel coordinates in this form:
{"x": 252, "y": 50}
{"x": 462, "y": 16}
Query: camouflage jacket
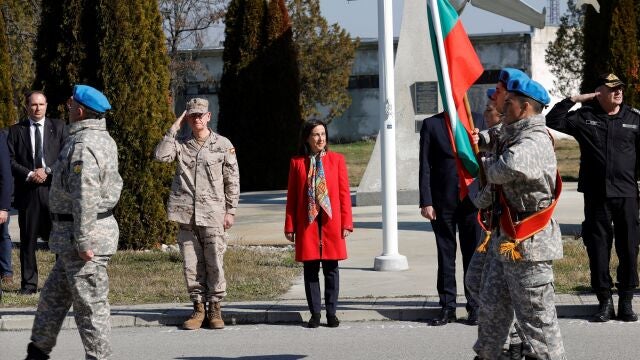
{"x": 525, "y": 167}
{"x": 86, "y": 183}
{"x": 206, "y": 185}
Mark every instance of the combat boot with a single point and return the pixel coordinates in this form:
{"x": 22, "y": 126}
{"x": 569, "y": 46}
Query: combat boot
{"x": 605, "y": 312}
{"x": 625, "y": 309}
{"x": 215, "y": 316}
{"x": 34, "y": 353}
{"x": 196, "y": 319}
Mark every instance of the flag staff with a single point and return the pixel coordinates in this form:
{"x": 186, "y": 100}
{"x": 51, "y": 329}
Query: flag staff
{"x": 390, "y": 260}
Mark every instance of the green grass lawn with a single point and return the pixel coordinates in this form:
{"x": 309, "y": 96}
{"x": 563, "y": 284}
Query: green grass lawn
{"x": 156, "y": 277}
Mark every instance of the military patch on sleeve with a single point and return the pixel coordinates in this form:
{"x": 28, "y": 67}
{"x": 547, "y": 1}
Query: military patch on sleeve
{"x": 77, "y": 167}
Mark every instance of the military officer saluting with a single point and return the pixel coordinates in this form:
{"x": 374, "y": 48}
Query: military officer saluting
{"x": 203, "y": 200}
{"x": 519, "y": 275}
{"x": 85, "y": 188}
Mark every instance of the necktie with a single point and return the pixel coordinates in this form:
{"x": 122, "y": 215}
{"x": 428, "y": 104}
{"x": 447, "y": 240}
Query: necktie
{"x": 37, "y": 159}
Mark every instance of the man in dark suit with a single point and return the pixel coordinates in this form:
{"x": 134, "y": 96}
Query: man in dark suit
{"x": 440, "y": 203}
{"x": 34, "y": 145}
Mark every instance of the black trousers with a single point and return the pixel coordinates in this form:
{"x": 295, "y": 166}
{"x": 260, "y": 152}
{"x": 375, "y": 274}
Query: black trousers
{"x": 606, "y": 219}
{"x": 34, "y": 221}
{"x": 462, "y": 217}
{"x": 331, "y": 285}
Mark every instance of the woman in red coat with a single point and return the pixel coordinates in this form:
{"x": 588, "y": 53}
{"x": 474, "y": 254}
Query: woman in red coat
{"x": 318, "y": 217}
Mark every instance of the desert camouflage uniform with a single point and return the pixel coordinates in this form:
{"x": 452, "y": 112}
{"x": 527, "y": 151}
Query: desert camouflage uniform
{"x": 206, "y": 186}
{"x": 526, "y": 170}
{"x": 85, "y": 183}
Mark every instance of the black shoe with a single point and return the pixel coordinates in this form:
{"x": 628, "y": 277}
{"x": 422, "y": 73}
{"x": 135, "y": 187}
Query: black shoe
{"x": 34, "y": 353}
{"x": 27, "y": 291}
{"x": 625, "y": 310}
{"x": 605, "y": 312}
{"x": 314, "y": 322}
{"x": 472, "y": 318}
{"x": 332, "y": 321}
{"x": 446, "y": 316}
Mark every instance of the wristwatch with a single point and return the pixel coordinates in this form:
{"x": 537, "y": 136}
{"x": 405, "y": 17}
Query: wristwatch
{"x": 48, "y": 170}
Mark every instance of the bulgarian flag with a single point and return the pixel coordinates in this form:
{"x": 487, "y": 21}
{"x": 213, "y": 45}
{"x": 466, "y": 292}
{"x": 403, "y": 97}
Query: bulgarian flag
{"x": 458, "y": 68}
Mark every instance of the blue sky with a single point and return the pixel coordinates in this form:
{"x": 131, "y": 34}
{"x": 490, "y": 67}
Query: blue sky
{"x": 360, "y": 17}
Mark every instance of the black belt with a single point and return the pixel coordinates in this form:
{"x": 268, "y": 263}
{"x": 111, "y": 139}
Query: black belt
{"x": 69, "y": 217}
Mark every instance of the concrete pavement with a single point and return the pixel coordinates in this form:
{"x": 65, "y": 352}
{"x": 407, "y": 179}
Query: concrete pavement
{"x": 365, "y": 294}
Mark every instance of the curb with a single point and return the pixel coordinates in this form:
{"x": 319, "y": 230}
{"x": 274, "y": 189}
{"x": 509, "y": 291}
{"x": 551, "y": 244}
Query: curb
{"x": 290, "y": 311}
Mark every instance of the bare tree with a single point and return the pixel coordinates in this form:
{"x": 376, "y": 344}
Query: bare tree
{"x": 185, "y": 23}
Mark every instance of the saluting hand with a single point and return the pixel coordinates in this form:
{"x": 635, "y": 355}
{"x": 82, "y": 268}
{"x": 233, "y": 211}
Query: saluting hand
{"x": 179, "y": 121}
{"x": 584, "y": 97}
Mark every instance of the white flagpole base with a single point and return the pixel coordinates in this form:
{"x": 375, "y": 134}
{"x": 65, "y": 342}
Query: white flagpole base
{"x": 390, "y": 263}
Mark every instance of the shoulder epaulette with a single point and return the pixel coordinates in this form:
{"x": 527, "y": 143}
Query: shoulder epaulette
{"x": 635, "y": 110}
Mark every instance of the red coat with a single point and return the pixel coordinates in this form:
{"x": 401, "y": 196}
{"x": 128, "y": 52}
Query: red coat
{"x": 296, "y": 221}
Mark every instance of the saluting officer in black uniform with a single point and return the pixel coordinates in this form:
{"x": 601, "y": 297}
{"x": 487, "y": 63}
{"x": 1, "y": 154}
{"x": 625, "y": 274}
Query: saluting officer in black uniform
{"x": 608, "y": 134}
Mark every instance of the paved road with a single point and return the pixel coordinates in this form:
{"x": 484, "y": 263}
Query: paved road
{"x": 353, "y": 340}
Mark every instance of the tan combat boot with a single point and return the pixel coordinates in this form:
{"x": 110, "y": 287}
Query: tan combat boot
{"x": 196, "y": 319}
{"x": 215, "y": 316}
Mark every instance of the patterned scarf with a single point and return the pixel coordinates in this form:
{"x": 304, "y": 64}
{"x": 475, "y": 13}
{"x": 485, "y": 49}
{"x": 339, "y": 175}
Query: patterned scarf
{"x": 317, "y": 191}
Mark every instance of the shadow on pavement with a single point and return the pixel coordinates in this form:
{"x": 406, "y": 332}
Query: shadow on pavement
{"x": 255, "y": 357}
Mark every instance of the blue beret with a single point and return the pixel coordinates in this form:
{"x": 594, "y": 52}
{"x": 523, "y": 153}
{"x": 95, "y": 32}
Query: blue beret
{"x": 507, "y": 74}
{"x": 91, "y": 98}
{"x": 491, "y": 92}
{"x": 529, "y": 88}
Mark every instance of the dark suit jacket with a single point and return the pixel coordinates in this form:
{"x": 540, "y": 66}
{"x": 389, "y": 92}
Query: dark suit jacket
{"x": 438, "y": 178}
{"x": 20, "y": 152}
{"x": 6, "y": 181}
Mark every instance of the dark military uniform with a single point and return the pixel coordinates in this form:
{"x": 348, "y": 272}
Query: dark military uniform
{"x": 608, "y": 168}
{"x": 85, "y": 188}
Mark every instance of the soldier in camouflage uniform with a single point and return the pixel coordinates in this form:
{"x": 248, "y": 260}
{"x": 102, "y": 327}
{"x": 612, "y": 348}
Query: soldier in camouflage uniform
{"x": 85, "y": 188}
{"x": 203, "y": 200}
{"x": 525, "y": 168}
{"x": 487, "y": 141}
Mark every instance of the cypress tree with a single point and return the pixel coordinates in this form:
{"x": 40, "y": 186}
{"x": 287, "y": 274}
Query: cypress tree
{"x": 259, "y": 95}
{"x": 8, "y": 114}
{"x": 67, "y": 50}
{"x": 611, "y": 45}
{"x": 22, "y": 18}
{"x": 134, "y": 71}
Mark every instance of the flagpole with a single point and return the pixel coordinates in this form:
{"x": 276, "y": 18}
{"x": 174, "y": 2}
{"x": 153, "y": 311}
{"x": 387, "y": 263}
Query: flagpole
{"x": 442, "y": 57}
{"x": 390, "y": 260}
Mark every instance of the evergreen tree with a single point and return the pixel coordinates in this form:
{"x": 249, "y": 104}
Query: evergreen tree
{"x": 134, "y": 71}
{"x": 259, "y": 95}
{"x": 325, "y": 57}
{"x": 117, "y": 46}
{"x": 67, "y": 50}
{"x": 565, "y": 54}
{"x": 21, "y": 18}
{"x": 611, "y": 45}
{"x": 8, "y": 114}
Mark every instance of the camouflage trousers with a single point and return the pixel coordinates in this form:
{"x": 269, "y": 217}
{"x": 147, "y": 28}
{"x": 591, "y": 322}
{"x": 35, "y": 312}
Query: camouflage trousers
{"x": 526, "y": 288}
{"x": 474, "y": 282}
{"x": 85, "y": 285}
{"x": 203, "y": 251}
